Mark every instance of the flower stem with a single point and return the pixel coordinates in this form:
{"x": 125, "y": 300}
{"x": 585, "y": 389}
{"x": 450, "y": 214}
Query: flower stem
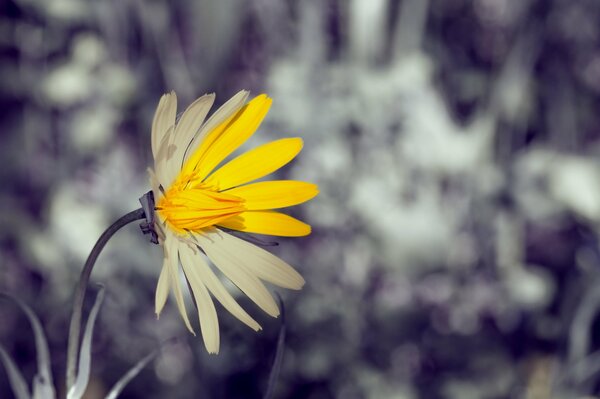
{"x": 75, "y": 325}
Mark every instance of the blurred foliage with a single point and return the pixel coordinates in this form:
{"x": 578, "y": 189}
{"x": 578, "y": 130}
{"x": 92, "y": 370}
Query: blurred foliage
{"x": 454, "y": 251}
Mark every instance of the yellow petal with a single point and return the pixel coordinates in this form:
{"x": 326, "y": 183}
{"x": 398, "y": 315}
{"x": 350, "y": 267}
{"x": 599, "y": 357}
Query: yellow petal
{"x": 209, "y": 323}
{"x": 227, "y": 137}
{"x": 255, "y": 163}
{"x": 267, "y": 222}
{"x": 218, "y": 290}
{"x": 224, "y": 112}
{"x": 194, "y": 223}
{"x": 201, "y": 199}
{"x": 274, "y": 194}
{"x": 189, "y": 124}
{"x": 194, "y": 208}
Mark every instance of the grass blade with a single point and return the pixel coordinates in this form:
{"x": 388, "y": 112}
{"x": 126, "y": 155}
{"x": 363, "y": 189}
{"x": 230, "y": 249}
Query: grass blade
{"x": 17, "y": 382}
{"x": 133, "y": 372}
{"x": 85, "y": 354}
{"x": 43, "y": 385}
{"x": 277, "y": 363}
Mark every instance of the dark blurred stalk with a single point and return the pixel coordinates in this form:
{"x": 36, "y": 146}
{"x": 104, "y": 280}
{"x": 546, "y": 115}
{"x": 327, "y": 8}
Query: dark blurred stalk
{"x": 75, "y": 326}
{"x": 278, "y": 361}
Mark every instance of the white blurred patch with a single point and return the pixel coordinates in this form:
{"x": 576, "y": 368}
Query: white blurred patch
{"x": 88, "y": 71}
{"x": 530, "y": 184}
{"x": 67, "y": 84}
{"x": 396, "y": 293}
{"x": 356, "y": 259}
{"x": 74, "y": 80}
{"x": 173, "y": 363}
{"x": 74, "y": 222}
{"x": 60, "y": 10}
{"x": 549, "y": 182}
{"x": 531, "y": 287}
{"x": 407, "y": 231}
{"x": 289, "y": 78}
{"x": 67, "y": 9}
{"x": 367, "y": 26}
{"x": 73, "y": 226}
{"x": 88, "y": 50}
{"x": 315, "y": 363}
{"x": 433, "y": 141}
{"x": 93, "y": 127}
{"x": 47, "y": 254}
{"x": 114, "y": 181}
{"x": 376, "y": 385}
{"x": 464, "y": 320}
{"x": 575, "y": 182}
{"x": 117, "y": 84}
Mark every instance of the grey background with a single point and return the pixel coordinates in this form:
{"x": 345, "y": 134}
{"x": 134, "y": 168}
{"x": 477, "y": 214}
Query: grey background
{"x": 454, "y": 251}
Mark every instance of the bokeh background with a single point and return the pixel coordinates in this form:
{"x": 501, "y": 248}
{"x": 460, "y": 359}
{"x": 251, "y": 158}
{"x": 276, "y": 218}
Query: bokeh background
{"x": 456, "y": 144}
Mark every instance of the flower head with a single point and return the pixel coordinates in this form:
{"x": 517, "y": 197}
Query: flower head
{"x": 196, "y": 201}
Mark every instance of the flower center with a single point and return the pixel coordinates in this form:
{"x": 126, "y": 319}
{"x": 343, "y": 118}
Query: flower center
{"x": 191, "y": 206}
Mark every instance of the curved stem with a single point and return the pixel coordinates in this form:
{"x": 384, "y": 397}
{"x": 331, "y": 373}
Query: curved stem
{"x": 75, "y": 325}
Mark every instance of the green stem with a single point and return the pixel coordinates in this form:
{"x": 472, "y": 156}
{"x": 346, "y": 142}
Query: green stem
{"x": 75, "y": 326}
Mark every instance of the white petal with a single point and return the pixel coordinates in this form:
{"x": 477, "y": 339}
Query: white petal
{"x": 187, "y": 127}
{"x": 162, "y": 289}
{"x": 172, "y": 259}
{"x": 231, "y": 106}
{"x": 155, "y": 185}
{"x": 261, "y": 263}
{"x": 155, "y": 136}
{"x": 212, "y": 243}
{"x": 209, "y": 323}
{"x": 164, "y": 117}
{"x": 214, "y": 285}
{"x": 165, "y": 150}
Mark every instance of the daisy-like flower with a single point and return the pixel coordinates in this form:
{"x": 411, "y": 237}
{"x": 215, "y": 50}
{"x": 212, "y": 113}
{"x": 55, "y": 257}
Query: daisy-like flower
{"x": 196, "y": 202}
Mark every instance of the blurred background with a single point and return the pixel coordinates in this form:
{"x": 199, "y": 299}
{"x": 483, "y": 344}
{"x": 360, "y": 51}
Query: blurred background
{"x": 456, "y": 144}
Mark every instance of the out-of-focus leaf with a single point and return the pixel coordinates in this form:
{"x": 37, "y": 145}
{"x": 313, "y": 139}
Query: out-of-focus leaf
{"x": 133, "y": 372}
{"x": 17, "y": 382}
{"x": 85, "y": 353}
{"x": 43, "y": 385}
{"x": 42, "y": 389}
{"x": 276, "y": 368}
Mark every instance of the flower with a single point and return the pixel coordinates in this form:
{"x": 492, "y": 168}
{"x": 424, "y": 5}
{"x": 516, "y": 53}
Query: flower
{"x": 196, "y": 202}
